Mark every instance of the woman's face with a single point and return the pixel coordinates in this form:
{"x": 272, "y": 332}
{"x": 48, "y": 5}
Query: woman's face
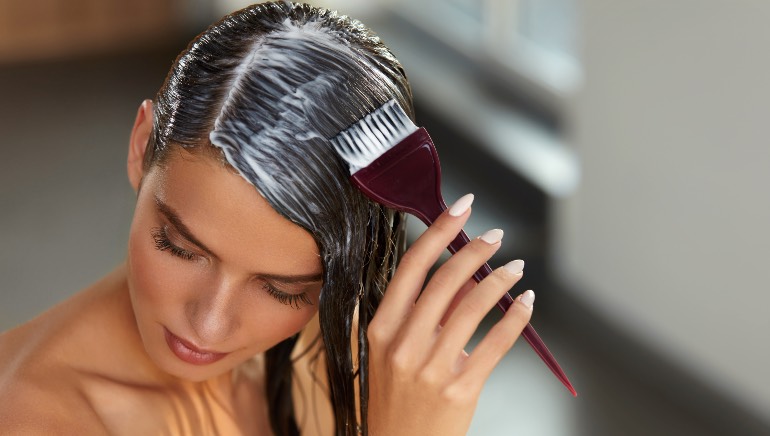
{"x": 216, "y": 275}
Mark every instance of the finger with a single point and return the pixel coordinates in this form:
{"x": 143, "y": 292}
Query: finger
{"x": 460, "y": 327}
{"x": 464, "y": 290}
{"x": 410, "y": 275}
{"x": 445, "y": 283}
{"x": 498, "y": 340}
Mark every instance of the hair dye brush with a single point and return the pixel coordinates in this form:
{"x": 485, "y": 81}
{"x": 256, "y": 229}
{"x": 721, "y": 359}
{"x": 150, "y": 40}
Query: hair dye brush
{"x": 395, "y": 163}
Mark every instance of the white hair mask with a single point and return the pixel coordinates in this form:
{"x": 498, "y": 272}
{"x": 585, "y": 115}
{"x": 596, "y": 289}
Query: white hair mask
{"x": 285, "y": 69}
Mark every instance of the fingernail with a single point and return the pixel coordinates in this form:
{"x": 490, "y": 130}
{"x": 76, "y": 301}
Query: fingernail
{"x": 515, "y": 266}
{"x": 528, "y": 298}
{"x": 492, "y": 236}
{"x": 461, "y": 205}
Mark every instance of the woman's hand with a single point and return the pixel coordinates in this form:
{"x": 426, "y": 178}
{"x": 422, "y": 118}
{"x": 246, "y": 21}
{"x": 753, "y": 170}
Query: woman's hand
{"x": 421, "y": 380}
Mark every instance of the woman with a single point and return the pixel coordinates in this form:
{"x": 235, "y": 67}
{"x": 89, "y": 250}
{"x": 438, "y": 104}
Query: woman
{"x": 270, "y": 310}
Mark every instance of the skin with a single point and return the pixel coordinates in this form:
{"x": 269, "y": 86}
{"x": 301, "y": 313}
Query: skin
{"x": 101, "y": 362}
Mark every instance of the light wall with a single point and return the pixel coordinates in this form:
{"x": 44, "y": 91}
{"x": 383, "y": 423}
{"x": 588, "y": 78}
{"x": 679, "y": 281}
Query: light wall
{"x": 667, "y": 235}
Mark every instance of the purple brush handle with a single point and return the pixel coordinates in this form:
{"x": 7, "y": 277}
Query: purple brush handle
{"x": 529, "y": 333}
{"x": 407, "y": 177}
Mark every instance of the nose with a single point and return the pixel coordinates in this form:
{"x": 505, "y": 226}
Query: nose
{"x": 213, "y": 312}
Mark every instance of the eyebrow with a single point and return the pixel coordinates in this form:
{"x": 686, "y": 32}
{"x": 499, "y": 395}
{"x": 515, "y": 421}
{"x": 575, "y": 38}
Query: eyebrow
{"x": 300, "y": 278}
{"x": 185, "y": 232}
{"x": 174, "y": 219}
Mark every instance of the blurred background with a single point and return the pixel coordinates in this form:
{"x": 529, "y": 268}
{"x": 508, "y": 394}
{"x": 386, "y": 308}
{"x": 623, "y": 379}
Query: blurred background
{"x": 620, "y": 145}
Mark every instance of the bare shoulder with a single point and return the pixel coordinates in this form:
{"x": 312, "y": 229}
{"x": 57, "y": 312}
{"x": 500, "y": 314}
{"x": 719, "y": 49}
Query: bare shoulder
{"x": 39, "y": 388}
{"x": 38, "y": 397}
{"x": 31, "y": 407}
{"x": 52, "y": 366}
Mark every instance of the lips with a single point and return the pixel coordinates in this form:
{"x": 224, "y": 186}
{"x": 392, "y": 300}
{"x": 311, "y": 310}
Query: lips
{"x": 189, "y": 353}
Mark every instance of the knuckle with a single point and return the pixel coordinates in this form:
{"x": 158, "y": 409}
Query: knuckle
{"x": 472, "y": 305}
{"x": 411, "y": 259}
{"x": 441, "y": 280}
{"x": 500, "y": 278}
{"x": 401, "y": 360}
{"x": 430, "y": 377}
{"x": 458, "y": 395}
{"x": 514, "y": 322}
{"x": 443, "y": 226}
{"x": 374, "y": 333}
{"x": 504, "y": 342}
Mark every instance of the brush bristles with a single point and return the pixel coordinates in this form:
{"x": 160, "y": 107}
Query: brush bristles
{"x": 365, "y": 141}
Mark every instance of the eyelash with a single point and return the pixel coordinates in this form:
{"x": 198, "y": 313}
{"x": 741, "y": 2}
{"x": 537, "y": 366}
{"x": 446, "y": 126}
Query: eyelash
{"x": 297, "y": 301}
{"x": 163, "y": 243}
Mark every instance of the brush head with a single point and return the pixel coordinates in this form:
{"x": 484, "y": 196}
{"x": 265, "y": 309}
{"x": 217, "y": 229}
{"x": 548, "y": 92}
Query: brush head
{"x": 366, "y": 140}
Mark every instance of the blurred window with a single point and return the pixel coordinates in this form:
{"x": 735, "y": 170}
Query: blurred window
{"x": 535, "y": 39}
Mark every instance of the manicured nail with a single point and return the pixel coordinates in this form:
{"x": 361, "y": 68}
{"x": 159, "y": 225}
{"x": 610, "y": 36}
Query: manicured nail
{"x": 515, "y": 266}
{"x": 493, "y": 236}
{"x": 461, "y": 205}
{"x": 528, "y": 298}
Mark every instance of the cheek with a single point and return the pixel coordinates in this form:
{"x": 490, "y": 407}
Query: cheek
{"x": 156, "y": 282}
{"x": 267, "y": 322}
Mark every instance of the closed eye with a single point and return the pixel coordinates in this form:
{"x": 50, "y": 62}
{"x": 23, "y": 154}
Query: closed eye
{"x": 296, "y": 301}
{"x": 163, "y": 243}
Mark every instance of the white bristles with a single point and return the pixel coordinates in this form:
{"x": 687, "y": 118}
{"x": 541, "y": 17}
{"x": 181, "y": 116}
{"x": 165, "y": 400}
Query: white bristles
{"x": 365, "y": 141}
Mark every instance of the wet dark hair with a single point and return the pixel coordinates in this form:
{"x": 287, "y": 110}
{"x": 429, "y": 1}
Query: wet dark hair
{"x": 269, "y": 86}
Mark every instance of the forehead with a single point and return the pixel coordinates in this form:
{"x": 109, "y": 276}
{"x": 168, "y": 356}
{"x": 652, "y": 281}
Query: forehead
{"x": 229, "y": 215}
